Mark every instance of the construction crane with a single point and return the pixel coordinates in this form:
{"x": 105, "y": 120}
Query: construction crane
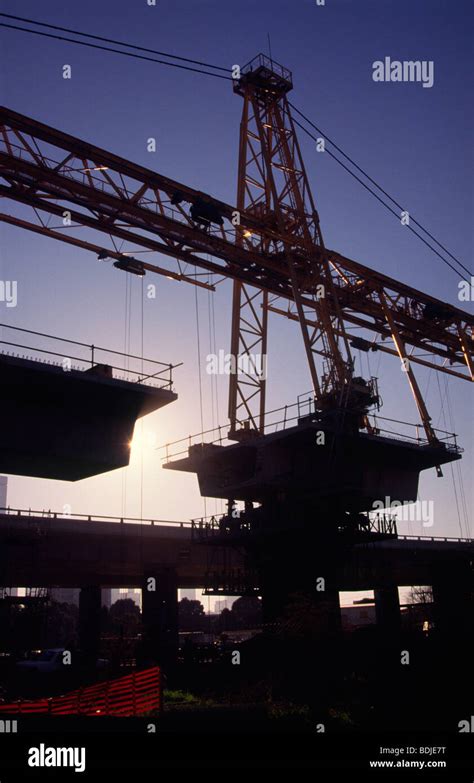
{"x": 318, "y": 477}
{"x": 270, "y": 244}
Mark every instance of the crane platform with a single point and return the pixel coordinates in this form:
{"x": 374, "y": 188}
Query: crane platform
{"x": 316, "y": 461}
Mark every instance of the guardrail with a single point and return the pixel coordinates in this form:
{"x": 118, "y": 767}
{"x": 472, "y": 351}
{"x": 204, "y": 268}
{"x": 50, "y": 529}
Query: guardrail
{"x": 22, "y": 512}
{"x": 262, "y": 61}
{"x": 286, "y": 416}
{"x": 210, "y": 522}
{"x": 150, "y": 372}
{"x": 438, "y": 538}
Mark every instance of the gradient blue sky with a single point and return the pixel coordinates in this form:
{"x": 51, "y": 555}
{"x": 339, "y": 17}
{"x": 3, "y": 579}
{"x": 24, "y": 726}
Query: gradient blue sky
{"x": 414, "y": 141}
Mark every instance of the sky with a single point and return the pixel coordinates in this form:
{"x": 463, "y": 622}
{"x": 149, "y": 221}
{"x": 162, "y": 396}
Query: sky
{"x": 415, "y": 141}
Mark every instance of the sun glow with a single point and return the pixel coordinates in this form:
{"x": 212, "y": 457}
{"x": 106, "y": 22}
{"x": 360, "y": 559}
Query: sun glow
{"x": 144, "y": 441}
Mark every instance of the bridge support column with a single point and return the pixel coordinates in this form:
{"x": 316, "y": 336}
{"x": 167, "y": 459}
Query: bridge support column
{"x": 160, "y": 616}
{"x": 89, "y": 623}
{"x": 312, "y": 594}
{"x": 453, "y": 601}
{"x": 387, "y": 609}
{"x": 301, "y": 606}
{"x": 326, "y": 606}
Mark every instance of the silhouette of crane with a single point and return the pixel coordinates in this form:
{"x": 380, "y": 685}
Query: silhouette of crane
{"x": 271, "y": 245}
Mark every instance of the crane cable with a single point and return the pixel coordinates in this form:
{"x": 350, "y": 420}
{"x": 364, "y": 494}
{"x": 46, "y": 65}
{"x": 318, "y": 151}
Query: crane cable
{"x": 455, "y": 490}
{"x": 113, "y": 41}
{"x": 198, "y": 346}
{"x": 127, "y": 320}
{"x": 142, "y": 325}
{"x": 458, "y": 464}
{"x": 387, "y": 206}
{"x": 379, "y": 187}
{"x": 212, "y": 376}
{"x": 141, "y": 441}
{"x": 114, "y": 51}
{"x": 214, "y": 351}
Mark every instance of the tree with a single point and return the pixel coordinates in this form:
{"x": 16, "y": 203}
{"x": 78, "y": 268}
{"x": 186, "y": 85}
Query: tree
{"x": 247, "y": 611}
{"x": 191, "y": 615}
{"x": 124, "y": 617}
{"x": 420, "y": 594}
{"x": 33, "y": 625}
{"x": 61, "y": 624}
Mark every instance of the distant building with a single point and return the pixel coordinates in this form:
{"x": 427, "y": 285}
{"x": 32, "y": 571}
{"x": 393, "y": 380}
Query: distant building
{"x": 70, "y": 595}
{"x": 187, "y": 593}
{"x": 219, "y": 606}
{"x": 3, "y": 491}
{"x": 121, "y": 593}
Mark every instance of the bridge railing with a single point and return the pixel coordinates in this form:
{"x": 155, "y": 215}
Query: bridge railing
{"x": 210, "y": 524}
{"x": 438, "y": 538}
{"x": 43, "y": 514}
{"x": 300, "y": 412}
{"x": 63, "y": 352}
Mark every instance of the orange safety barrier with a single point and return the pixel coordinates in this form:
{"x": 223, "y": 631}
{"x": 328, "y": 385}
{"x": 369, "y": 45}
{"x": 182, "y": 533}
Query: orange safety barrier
{"x": 134, "y": 694}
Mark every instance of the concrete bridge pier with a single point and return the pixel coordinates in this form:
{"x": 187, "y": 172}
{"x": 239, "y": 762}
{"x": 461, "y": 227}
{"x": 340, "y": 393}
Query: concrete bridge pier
{"x": 301, "y": 608}
{"x": 160, "y": 616}
{"x": 387, "y": 610}
{"x": 310, "y": 593}
{"x": 327, "y": 607}
{"x": 90, "y": 604}
{"x": 453, "y": 601}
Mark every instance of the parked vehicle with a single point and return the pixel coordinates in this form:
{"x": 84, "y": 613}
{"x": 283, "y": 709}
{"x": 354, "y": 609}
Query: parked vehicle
{"x": 52, "y": 660}
{"x": 46, "y": 661}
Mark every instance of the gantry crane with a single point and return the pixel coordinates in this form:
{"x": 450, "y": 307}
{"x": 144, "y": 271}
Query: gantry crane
{"x": 270, "y": 244}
